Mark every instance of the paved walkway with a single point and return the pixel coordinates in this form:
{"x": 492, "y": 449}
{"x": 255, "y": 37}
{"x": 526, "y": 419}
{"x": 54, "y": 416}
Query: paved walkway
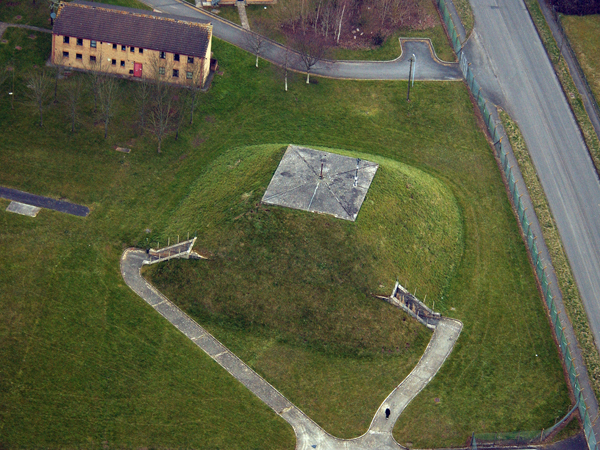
{"x": 429, "y": 67}
{"x": 309, "y": 435}
{"x": 44, "y": 202}
{"x": 243, "y": 16}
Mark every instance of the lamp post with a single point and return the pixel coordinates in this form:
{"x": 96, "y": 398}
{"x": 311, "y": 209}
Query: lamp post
{"x": 409, "y": 77}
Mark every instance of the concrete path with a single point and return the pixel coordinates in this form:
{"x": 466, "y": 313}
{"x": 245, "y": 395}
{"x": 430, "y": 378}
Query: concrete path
{"x": 309, "y": 435}
{"x": 460, "y": 29}
{"x": 243, "y": 16}
{"x": 429, "y": 67}
{"x": 44, "y": 202}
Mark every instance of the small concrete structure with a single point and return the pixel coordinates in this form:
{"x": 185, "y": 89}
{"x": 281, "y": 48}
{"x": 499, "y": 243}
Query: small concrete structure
{"x": 323, "y": 182}
{"x": 23, "y": 209}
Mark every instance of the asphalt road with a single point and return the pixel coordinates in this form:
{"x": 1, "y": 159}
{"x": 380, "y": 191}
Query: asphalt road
{"x": 429, "y": 67}
{"x": 515, "y": 68}
{"x": 44, "y": 202}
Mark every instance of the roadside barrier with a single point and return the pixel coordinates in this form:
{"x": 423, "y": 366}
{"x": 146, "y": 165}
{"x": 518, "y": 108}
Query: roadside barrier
{"x": 540, "y": 267}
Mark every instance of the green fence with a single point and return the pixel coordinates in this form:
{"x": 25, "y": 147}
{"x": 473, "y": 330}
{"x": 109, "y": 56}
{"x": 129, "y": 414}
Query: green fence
{"x": 483, "y": 440}
{"x": 539, "y": 266}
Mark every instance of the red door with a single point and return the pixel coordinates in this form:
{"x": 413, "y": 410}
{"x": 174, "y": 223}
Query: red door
{"x": 137, "y": 70}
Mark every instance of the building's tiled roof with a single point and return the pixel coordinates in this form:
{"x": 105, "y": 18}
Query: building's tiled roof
{"x": 133, "y": 27}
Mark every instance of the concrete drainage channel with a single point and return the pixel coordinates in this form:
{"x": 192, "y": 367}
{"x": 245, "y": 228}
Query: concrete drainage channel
{"x": 309, "y": 435}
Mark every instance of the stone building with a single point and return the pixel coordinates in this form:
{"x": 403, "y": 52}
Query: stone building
{"x": 131, "y": 42}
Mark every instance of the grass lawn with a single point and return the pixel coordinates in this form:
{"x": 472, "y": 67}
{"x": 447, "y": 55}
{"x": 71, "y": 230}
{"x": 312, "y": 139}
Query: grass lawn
{"x": 584, "y": 35}
{"x": 87, "y": 363}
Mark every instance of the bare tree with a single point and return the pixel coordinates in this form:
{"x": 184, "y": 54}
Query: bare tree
{"x": 95, "y": 71}
{"x": 38, "y": 84}
{"x": 161, "y": 112}
{"x": 195, "y": 84}
{"x": 288, "y": 12}
{"x": 255, "y": 41}
{"x": 108, "y": 93}
{"x": 4, "y": 74}
{"x": 56, "y": 77}
{"x": 340, "y": 21}
{"x": 311, "y": 50}
{"x": 181, "y": 104}
{"x": 142, "y": 99}
{"x": 74, "y": 89}
{"x": 285, "y": 67}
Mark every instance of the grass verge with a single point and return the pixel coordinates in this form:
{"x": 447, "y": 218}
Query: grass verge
{"x": 564, "y": 76}
{"x": 583, "y": 33}
{"x": 86, "y": 363}
{"x": 560, "y": 262}
{"x": 465, "y": 12}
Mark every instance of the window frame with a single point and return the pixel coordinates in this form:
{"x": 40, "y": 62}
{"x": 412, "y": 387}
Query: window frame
{"x": 113, "y": 62}
{"x": 161, "y": 71}
{"x": 65, "y": 54}
{"x": 176, "y": 57}
{"x": 123, "y": 48}
{"x": 93, "y": 59}
{"x": 189, "y": 75}
{"x": 66, "y": 40}
{"x": 80, "y": 42}
{"x": 175, "y": 73}
{"x": 190, "y": 60}
{"x": 93, "y": 44}
{"x": 140, "y": 50}
{"x": 122, "y": 63}
{"x": 114, "y": 46}
{"x": 162, "y": 55}
{"x": 79, "y": 56}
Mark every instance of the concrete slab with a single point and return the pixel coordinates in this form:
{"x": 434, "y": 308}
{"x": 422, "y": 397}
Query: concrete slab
{"x": 23, "y": 209}
{"x": 323, "y": 182}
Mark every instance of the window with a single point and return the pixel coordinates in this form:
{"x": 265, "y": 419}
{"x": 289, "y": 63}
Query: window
{"x": 161, "y": 70}
{"x": 114, "y": 46}
{"x": 65, "y": 54}
{"x": 122, "y": 63}
{"x": 79, "y": 41}
{"x": 123, "y": 47}
{"x": 189, "y": 75}
{"x": 132, "y": 49}
{"x": 65, "y": 39}
{"x": 190, "y": 60}
{"x": 175, "y": 73}
{"x": 93, "y": 59}
{"x": 162, "y": 55}
{"x": 93, "y": 44}
{"x": 78, "y": 56}
{"x": 175, "y": 57}
{"x": 141, "y": 50}
{"x": 114, "y": 62}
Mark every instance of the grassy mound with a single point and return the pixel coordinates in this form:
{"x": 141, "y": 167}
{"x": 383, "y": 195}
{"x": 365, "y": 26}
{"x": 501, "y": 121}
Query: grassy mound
{"x": 308, "y": 277}
{"x": 304, "y": 279}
